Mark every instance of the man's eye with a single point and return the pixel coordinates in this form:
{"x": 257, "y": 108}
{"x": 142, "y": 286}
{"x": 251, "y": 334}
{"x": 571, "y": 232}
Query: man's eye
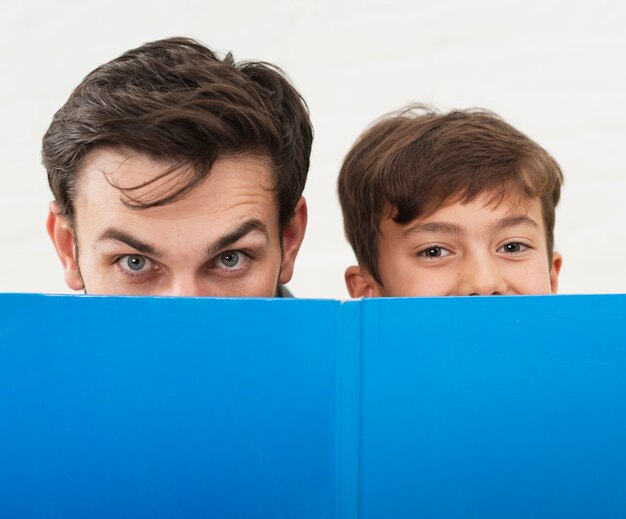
{"x": 513, "y": 248}
{"x": 231, "y": 263}
{"x": 135, "y": 263}
{"x": 435, "y": 252}
{"x": 231, "y": 259}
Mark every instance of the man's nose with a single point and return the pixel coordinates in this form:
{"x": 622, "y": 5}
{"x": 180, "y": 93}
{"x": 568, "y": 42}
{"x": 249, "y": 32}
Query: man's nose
{"x": 481, "y": 276}
{"x": 187, "y": 286}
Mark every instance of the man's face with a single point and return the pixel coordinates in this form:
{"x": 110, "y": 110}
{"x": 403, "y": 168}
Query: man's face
{"x": 223, "y": 239}
{"x": 463, "y": 249}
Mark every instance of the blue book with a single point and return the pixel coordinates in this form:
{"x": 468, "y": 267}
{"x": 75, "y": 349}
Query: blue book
{"x": 432, "y": 407}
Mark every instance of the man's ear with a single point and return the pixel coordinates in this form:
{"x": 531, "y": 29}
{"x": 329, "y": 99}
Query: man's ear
{"x": 359, "y": 283}
{"x": 293, "y": 234}
{"x": 555, "y": 268}
{"x": 63, "y": 240}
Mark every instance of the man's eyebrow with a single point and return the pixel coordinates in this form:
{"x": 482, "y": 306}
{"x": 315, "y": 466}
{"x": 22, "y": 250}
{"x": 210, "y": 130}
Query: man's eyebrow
{"x": 444, "y": 227}
{"x": 245, "y": 228}
{"x": 512, "y": 221}
{"x": 112, "y": 234}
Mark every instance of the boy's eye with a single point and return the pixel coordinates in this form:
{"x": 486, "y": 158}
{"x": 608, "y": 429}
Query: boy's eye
{"x": 135, "y": 264}
{"x": 513, "y": 248}
{"x": 435, "y": 252}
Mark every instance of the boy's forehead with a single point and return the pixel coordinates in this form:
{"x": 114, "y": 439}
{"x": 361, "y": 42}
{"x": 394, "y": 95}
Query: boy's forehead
{"x": 502, "y": 200}
{"x": 493, "y": 206}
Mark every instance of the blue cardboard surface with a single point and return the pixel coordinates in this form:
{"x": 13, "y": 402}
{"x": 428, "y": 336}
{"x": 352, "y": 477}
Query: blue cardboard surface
{"x": 481, "y": 408}
{"x": 133, "y": 407}
{"x": 450, "y": 407}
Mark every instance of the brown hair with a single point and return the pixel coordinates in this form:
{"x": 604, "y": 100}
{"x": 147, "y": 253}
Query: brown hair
{"x": 176, "y": 101}
{"x": 412, "y": 162}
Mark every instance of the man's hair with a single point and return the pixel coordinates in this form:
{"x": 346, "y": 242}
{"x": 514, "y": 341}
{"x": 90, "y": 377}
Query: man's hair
{"x": 176, "y": 101}
{"x": 410, "y": 163}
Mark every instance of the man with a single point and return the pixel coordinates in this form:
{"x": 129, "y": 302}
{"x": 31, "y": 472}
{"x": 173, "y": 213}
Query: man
{"x": 175, "y": 172}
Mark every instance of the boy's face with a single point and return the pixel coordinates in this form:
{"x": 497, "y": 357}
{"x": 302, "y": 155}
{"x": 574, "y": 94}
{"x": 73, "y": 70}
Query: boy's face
{"x": 223, "y": 239}
{"x": 463, "y": 249}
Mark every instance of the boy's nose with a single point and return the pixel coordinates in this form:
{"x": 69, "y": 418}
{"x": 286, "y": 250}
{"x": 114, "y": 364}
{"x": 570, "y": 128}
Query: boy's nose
{"x": 481, "y": 277}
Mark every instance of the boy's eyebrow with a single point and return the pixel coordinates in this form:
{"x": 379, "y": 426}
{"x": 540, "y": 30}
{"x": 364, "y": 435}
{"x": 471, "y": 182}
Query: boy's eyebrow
{"x": 512, "y": 221}
{"x": 445, "y": 227}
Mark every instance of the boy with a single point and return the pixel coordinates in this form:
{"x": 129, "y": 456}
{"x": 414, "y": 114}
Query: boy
{"x": 449, "y": 204}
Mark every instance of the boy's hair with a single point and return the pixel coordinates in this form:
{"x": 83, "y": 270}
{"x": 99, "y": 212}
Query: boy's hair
{"x": 176, "y": 101}
{"x": 410, "y": 163}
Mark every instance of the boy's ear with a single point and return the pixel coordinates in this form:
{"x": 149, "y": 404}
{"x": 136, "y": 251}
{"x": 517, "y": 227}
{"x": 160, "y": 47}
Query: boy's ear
{"x": 359, "y": 283}
{"x": 293, "y": 234}
{"x": 63, "y": 240}
{"x": 555, "y": 268}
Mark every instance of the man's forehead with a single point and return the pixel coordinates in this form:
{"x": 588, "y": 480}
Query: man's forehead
{"x": 238, "y": 188}
{"x": 139, "y": 181}
{"x": 129, "y": 170}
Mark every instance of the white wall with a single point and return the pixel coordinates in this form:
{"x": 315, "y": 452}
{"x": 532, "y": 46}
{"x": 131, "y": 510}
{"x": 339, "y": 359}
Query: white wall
{"x": 556, "y": 70}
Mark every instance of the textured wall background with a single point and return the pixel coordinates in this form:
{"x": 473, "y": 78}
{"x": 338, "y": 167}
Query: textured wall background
{"x": 555, "y": 71}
